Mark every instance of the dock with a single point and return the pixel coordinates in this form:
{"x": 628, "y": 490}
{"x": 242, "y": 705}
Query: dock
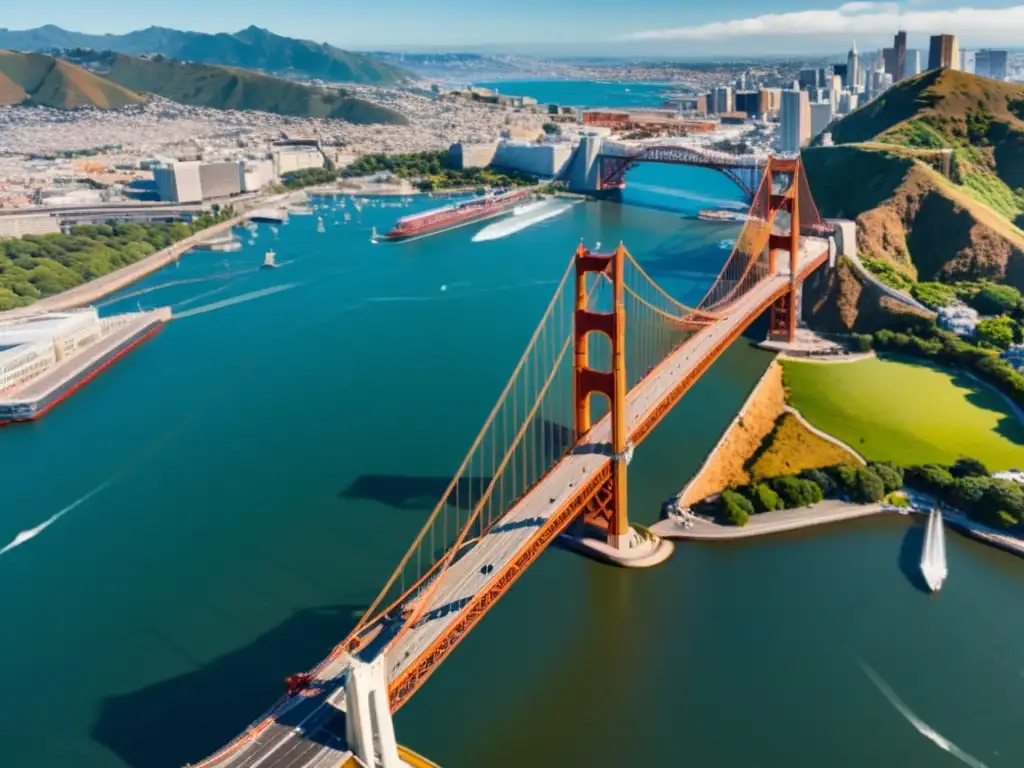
{"x": 122, "y": 333}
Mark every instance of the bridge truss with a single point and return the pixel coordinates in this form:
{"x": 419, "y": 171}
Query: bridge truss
{"x": 744, "y": 170}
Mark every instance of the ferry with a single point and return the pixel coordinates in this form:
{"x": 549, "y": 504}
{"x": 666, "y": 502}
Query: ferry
{"x": 452, "y": 216}
{"x": 722, "y": 215}
{"x": 270, "y": 260}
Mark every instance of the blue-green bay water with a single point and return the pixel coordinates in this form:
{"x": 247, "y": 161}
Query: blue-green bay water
{"x": 251, "y": 476}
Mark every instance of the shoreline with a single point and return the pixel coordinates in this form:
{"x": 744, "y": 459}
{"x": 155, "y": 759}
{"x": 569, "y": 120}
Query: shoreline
{"x": 824, "y": 513}
{"x": 112, "y": 282}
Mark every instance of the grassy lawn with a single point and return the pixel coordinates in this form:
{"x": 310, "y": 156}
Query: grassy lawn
{"x": 908, "y": 413}
{"x": 791, "y": 448}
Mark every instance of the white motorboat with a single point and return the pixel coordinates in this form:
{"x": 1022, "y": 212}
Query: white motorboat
{"x": 933, "y": 557}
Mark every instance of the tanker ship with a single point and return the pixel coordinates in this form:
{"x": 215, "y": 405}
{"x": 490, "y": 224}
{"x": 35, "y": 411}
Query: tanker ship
{"x": 452, "y": 216}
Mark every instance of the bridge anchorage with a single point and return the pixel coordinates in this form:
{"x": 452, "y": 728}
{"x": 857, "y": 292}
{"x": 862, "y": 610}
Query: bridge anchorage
{"x": 547, "y": 457}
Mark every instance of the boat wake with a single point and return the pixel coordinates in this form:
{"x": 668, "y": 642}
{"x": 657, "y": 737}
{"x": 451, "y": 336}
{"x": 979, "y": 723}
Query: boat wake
{"x": 31, "y": 533}
{"x": 171, "y": 284}
{"x": 251, "y": 296}
{"x": 510, "y": 226}
{"x": 922, "y": 727}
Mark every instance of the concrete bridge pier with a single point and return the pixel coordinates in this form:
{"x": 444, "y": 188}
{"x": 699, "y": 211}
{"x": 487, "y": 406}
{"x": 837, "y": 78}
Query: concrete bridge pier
{"x": 368, "y": 725}
{"x": 585, "y": 171}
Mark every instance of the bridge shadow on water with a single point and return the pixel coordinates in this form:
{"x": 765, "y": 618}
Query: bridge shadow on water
{"x": 910, "y": 554}
{"x": 186, "y": 718}
{"x": 411, "y": 492}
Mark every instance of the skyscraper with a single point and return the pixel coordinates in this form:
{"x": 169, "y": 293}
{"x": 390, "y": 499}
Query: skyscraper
{"x": 722, "y": 97}
{"x": 943, "y": 51}
{"x": 989, "y": 63}
{"x": 899, "y": 45}
{"x": 913, "y": 63}
{"x": 795, "y": 129}
{"x": 853, "y": 68}
{"x": 890, "y": 62}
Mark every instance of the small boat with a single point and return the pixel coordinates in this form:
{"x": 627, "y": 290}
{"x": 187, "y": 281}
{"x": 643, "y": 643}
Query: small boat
{"x": 348, "y": 217}
{"x": 270, "y": 260}
{"x": 933, "y": 558}
{"x": 725, "y": 245}
{"x": 320, "y": 224}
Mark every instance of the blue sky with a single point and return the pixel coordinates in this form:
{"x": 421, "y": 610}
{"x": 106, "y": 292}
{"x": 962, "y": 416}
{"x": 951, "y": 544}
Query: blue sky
{"x": 629, "y": 27}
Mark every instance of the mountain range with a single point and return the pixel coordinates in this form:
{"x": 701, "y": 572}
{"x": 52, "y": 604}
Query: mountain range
{"x": 250, "y": 48}
{"x": 106, "y": 80}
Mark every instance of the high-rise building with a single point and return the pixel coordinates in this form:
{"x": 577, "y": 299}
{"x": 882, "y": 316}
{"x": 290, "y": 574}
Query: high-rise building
{"x": 913, "y": 63}
{"x": 967, "y": 61}
{"x": 890, "y": 62}
{"x": 722, "y": 99}
{"x": 748, "y": 102}
{"x": 989, "y": 63}
{"x": 808, "y": 78}
{"x": 821, "y": 116}
{"x": 847, "y": 103}
{"x": 769, "y": 101}
{"x": 795, "y": 128}
{"x": 840, "y": 70}
{"x": 943, "y": 51}
{"x": 899, "y": 44}
{"x": 853, "y": 81}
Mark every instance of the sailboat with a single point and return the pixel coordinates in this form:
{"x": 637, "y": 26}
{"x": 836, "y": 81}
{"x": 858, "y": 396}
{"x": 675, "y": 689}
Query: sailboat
{"x": 933, "y": 558}
{"x": 373, "y": 235}
{"x": 320, "y": 224}
{"x": 270, "y": 260}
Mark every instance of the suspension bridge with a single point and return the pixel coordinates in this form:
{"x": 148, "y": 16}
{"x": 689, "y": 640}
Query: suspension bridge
{"x": 549, "y": 455}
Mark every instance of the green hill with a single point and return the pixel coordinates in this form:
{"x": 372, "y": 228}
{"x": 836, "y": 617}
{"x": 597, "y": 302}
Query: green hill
{"x": 32, "y": 78}
{"x": 203, "y": 85}
{"x": 251, "y": 48}
{"x": 888, "y": 171}
{"x": 978, "y": 119}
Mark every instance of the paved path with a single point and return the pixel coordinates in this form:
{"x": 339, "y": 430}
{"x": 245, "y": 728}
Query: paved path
{"x": 822, "y": 513}
{"x": 468, "y": 578}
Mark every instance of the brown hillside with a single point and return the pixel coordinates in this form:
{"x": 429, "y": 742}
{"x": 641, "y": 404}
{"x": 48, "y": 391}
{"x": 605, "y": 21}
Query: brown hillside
{"x": 910, "y": 214}
{"x": 50, "y": 82}
{"x": 836, "y": 301}
{"x": 10, "y": 92}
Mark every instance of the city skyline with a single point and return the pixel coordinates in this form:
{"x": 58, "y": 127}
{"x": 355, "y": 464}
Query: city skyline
{"x": 574, "y": 27}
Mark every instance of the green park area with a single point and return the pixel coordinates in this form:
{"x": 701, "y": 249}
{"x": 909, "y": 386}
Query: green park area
{"x": 907, "y": 413}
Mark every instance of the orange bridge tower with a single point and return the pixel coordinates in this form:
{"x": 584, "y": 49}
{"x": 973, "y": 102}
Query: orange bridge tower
{"x": 609, "y": 508}
{"x": 784, "y": 175}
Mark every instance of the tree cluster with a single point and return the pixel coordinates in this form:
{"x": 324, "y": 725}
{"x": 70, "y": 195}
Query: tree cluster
{"x": 435, "y": 171}
{"x": 966, "y": 484}
{"x": 37, "y": 266}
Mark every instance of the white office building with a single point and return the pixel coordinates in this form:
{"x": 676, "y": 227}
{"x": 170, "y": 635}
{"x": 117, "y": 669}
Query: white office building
{"x": 179, "y": 182}
{"x": 821, "y": 116}
{"x": 795, "y": 128}
{"x": 291, "y": 159}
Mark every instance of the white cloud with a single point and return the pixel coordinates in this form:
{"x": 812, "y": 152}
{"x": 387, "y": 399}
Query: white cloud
{"x": 858, "y": 18}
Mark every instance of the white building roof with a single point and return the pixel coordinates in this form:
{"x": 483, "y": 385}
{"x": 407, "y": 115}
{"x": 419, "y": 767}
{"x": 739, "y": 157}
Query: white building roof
{"x": 45, "y": 327}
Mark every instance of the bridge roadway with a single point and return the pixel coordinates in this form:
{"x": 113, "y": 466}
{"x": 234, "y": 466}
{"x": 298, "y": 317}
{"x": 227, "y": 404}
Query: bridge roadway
{"x": 303, "y": 737}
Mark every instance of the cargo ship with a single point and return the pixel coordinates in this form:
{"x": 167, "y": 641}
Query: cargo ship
{"x": 722, "y": 215}
{"x": 452, "y": 216}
